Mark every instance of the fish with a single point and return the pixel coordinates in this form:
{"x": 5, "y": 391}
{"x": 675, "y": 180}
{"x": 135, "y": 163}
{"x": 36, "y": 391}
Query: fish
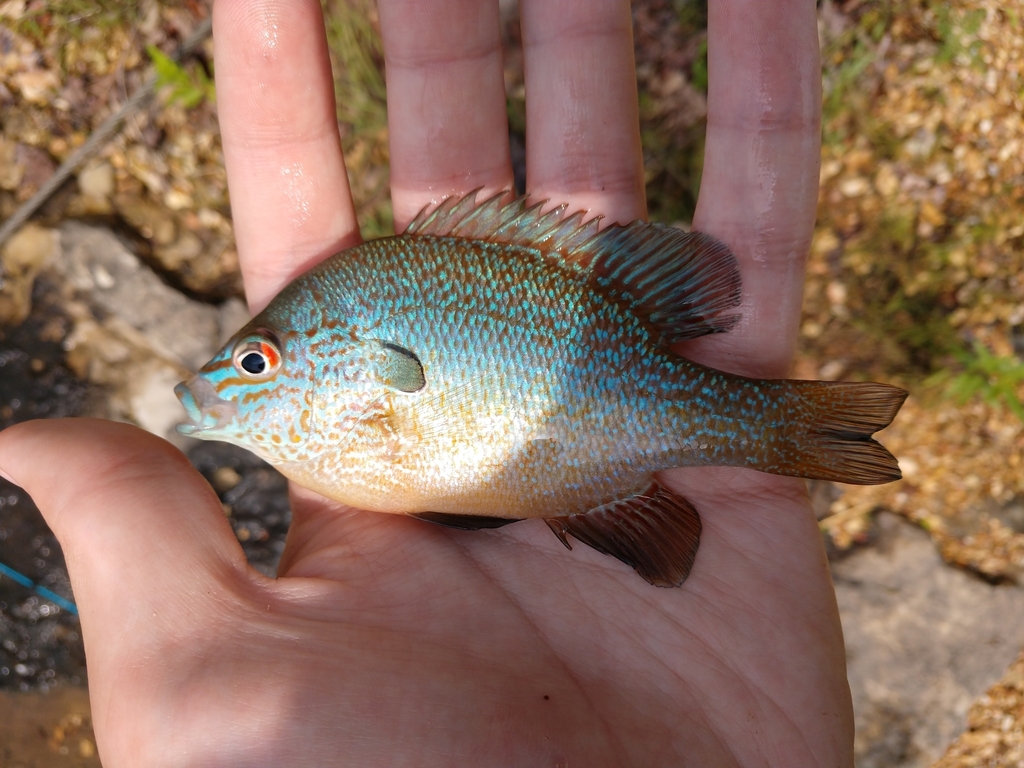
{"x": 498, "y": 362}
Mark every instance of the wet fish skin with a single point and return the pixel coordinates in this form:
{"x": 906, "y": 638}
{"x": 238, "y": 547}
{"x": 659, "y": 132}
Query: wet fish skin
{"x": 497, "y": 363}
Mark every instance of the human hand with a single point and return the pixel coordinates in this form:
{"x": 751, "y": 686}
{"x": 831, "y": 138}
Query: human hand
{"x": 387, "y": 641}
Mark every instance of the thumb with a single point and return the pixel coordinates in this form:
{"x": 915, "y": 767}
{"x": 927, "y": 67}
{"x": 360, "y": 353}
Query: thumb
{"x": 144, "y": 537}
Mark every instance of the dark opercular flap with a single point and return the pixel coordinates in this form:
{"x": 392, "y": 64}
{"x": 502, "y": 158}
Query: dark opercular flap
{"x": 465, "y": 522}
{"x": 656, "y": 532}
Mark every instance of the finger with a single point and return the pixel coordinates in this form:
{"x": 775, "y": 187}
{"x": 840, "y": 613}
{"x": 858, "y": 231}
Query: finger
{"x": 582, "y": 115}
{"x": 290, "y": 198}
{"x": 447, "y": 124}
{"x": 759, "y": 188}
{"x": 142, "y": 532}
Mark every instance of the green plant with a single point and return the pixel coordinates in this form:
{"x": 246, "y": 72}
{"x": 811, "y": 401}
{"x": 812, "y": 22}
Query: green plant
{"x": 958, "y": 33}
{"x": 994, "y": 378}
{"x": 840, "y": 79}
{"x": 65, "y": 18}
{"x": 699, "y": 68}
{"x": 358, "y": 58}
{"x": 188, "y": 87}
{"x": 359, "y": 74}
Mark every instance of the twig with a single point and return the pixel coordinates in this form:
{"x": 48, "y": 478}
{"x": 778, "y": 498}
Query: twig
{"x": 830, "y": 521}
{"x": 98, "y": 139}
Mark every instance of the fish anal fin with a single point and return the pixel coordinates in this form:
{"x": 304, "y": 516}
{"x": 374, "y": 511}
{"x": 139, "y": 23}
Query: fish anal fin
{"x": 680, "y": 284}
{"x": 656, "y": 532}
{"x": 464, "y": 522}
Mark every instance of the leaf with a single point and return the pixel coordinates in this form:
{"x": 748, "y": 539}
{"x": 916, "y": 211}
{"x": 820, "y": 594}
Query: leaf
{"x": 190, "y": 90}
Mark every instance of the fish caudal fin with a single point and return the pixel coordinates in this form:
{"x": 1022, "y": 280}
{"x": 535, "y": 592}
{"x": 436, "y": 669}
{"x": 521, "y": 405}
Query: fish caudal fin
{"x": 656, "y": 532}
{"x": 831, "y": 439}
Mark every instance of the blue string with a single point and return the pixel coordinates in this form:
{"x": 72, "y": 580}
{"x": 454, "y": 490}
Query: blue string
{"x": 43, "y": 592}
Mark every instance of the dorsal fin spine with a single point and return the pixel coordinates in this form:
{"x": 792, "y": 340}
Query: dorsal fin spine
{"x": 678, "y": 283}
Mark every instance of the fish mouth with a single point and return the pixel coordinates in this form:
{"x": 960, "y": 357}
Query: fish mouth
{"x": 205, "y": 409}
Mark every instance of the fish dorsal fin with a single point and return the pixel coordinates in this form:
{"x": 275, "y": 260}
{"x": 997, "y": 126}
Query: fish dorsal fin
{"x": 679, "y": 282}
{"x": 656, "y": 532}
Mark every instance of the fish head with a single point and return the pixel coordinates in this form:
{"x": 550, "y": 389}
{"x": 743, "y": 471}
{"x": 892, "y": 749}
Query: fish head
{"x": 287, "y": 387}
{"x": 256, "y": 392}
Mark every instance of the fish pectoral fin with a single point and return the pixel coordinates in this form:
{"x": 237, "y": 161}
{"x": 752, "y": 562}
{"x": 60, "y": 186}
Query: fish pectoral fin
{"x": 656, "y": 532}
{"x": 464, "y": 522}
{"x": 403, "y": 370}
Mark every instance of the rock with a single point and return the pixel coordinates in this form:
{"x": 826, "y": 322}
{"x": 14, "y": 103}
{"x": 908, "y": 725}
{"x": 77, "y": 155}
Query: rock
{"x": 38, "y": 168}
{"x": 233, "y": 314}
{"x": 98, "y": 265}
{"x": 133, "y": 334}
{"x": 37, "y": 86}
{"x": 97, "y": 180}
{"x": 152, "y": 221}
{"x": 183, "y": 250}
{"x": 11, "y": 171}
{"x": 923, "y": 642}
{"x": 20, "y": 261}
{"x": 153, "y": 403}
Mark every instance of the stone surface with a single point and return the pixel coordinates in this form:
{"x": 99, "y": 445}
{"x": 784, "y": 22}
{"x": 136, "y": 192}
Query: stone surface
{"x": 21, "y": 259}
{"x": 97, "y": 180}
{"x": 133, "y": 334}
{"x": 923, "y": 641}
{"x": 154, "y": 404}
{"x": 233, "y": 315}
{"x": 98, "y": 265}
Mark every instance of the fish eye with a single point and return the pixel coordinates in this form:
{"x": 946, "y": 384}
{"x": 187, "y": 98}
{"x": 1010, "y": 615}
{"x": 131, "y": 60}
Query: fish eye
{"x": 257, "y": 357}
{"x": 254, "y": 362}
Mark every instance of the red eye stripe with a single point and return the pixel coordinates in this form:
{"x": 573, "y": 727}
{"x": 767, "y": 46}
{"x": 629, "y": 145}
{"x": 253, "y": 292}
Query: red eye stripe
{"x": 270, "y": 352}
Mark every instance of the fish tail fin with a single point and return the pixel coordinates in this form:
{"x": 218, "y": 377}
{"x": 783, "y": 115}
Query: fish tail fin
{"x": 830, "y": 438}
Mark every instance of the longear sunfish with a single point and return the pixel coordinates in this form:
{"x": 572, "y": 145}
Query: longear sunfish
{"x": 496, "y": 363}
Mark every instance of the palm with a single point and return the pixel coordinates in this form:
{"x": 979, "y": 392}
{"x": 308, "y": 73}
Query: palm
{"x": 387, "y": 641}
{"x": 577, "y": 656}
{"x": 495, "y": 648}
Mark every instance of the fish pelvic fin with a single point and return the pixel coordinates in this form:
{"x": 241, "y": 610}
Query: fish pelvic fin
{"x": 679, "y": 284}
{"x": 464, "y": 522}
{"x": 831, "y": 437}
{"x": 656, "y": 532}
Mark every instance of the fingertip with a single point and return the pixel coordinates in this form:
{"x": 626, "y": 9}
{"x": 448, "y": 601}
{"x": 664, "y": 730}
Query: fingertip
{"x": 290, "y": 197}
{"x": 759, "y": 189}
{"x": 447, "y": 119}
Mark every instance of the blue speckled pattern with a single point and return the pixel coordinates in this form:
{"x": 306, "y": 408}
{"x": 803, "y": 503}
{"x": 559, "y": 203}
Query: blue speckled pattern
{"x": 549, "y": 386}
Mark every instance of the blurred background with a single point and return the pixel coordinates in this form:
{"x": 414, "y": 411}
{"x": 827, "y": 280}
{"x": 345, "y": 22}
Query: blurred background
{"x": 127, "y": 277}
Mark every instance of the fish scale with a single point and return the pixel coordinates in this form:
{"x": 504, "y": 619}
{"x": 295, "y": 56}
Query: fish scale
{"x": 497, "y": 362}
